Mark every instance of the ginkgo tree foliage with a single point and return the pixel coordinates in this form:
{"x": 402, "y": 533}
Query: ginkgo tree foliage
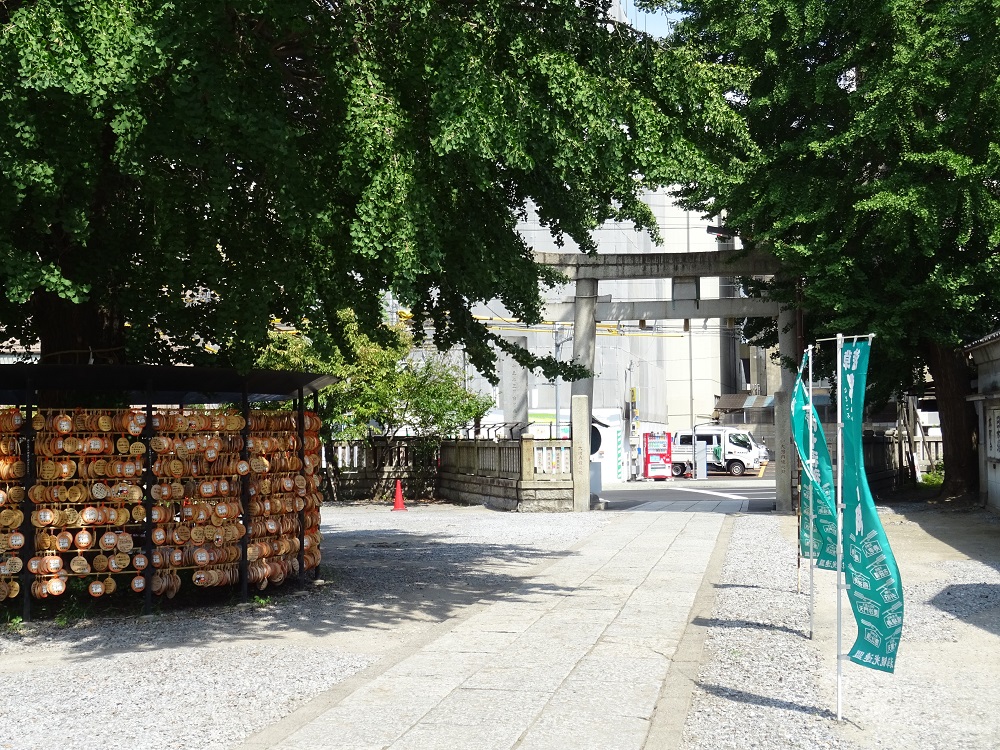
{"x": 175, "y": 174}
{"x": 877, "y": 180}
{"x": 395, "y": 396}
{"x": 381, "y": 390}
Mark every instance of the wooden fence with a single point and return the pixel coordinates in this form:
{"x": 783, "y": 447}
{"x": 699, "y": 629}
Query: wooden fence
{"x": 377, "y": 455}
{"x": 889, "y": 465}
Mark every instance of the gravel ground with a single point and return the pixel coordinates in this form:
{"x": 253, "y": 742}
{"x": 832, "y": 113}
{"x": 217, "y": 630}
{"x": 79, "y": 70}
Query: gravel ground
{"x": 935, "y": 610}
{"x": 210, "y": 677}
{"x": 765, "y": 685}
{"x": 758, "y": 689}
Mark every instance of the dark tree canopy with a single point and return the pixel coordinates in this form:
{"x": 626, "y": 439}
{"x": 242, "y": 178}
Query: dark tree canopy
{"x": 176, "y": 174}
{"x": 878, "y": 178}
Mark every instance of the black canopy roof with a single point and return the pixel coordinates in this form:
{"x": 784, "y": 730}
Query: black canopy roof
{"x": 159, "y": 384}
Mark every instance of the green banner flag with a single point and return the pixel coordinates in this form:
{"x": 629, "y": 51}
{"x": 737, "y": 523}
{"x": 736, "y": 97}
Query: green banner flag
{"x": 818, "y": 519}
{"x": 874, "y": 586}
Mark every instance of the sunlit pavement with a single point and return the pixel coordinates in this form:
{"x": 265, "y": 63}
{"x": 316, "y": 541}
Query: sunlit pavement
{"x": 719, "y": 493}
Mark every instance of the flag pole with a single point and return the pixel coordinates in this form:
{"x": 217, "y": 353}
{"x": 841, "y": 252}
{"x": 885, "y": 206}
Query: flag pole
{"x": 798, "y": 524}
{"x": 798, "y": 513}
{"x": 812, "y": 500}
{"x": 840, "y": 520}
{"x": 798, "y": 551}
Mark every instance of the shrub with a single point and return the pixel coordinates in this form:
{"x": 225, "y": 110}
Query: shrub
{"x": 934, "y": 477}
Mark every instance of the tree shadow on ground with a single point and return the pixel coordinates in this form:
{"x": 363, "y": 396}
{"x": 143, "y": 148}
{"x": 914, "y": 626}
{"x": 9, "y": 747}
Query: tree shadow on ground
{"x": 713, "y": 622}
{"x": 741, "y": 696}
{"x": 972, "y": 531}
{"x": 369, "y": 579}
{"x": 974, "y": 603}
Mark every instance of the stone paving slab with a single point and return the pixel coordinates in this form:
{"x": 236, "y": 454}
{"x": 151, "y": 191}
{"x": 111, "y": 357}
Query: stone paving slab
{"x": 578, "y": 665}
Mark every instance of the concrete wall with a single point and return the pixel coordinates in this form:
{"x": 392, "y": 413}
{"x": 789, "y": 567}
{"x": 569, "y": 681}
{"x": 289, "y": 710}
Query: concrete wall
{"x": 493, "y": 492}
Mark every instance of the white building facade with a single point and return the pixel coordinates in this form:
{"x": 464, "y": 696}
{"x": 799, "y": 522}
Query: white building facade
{"x": 649, "y": 376}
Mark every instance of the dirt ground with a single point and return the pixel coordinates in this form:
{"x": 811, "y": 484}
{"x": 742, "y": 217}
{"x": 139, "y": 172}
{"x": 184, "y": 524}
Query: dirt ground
{"x": 945, "y": 691}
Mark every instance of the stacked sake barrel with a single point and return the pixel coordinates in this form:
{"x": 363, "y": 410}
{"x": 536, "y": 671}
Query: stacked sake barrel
{"x": 12, "y": 471}
{"x": 87, "y": 501}
{"x": 197, "y": 515}
{"x": 107, "y": 490}
{"x": 284, "y": 496}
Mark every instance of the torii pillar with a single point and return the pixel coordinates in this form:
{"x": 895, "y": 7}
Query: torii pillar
{"x": 784, "y": 454}
{"x": 585, "y": 337}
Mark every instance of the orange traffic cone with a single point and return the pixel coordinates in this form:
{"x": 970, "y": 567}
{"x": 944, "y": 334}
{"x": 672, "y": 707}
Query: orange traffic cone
{"x": 399, "y": 497}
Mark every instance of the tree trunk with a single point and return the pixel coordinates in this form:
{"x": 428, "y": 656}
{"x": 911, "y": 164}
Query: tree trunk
{"x": 952, "y": 386}
{"x": 77, "y": 333}
{"x": 89, "y": 332}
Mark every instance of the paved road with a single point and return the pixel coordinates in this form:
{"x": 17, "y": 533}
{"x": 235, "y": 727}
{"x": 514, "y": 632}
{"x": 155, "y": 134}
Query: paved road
{"x": 714, "y": 495}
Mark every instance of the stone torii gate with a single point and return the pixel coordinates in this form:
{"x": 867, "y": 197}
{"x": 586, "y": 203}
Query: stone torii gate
{"x": 586, "y": 309}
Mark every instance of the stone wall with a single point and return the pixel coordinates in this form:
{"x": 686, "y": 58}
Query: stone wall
{"x": 506, "y": 494}
{"x": 525, "y": 475}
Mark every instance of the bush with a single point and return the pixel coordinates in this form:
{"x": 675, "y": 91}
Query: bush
{"x": 934, "y": 477}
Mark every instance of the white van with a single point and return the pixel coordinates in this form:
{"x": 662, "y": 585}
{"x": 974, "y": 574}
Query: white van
{"x": 729, "y": 449}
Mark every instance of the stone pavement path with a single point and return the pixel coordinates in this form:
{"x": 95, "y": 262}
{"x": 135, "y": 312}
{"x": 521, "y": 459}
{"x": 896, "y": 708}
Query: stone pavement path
{"x": 577, "y": 658}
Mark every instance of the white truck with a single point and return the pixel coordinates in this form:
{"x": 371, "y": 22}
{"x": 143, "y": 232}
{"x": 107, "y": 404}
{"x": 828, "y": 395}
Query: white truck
{"x": 729, "y": 449}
